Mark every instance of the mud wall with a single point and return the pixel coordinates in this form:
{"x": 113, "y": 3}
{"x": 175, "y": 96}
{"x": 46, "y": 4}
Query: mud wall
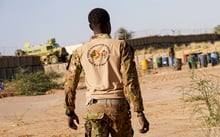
{"x": 59, "y": 68}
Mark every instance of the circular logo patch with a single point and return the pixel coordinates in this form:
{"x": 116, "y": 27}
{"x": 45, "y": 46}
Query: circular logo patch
{"x": 98, "y": 55}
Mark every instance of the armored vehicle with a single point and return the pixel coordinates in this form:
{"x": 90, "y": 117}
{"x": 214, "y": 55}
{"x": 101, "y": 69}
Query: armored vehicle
{"x": 49, "y": 53}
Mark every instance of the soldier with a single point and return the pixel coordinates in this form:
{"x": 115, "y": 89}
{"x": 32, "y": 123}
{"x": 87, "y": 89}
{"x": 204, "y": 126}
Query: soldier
{"x": 171, "y": 57}
{"x": 111, "y": 79}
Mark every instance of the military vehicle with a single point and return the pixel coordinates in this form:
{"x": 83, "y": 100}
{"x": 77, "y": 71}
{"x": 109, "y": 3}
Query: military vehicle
{"x": 50, "y": 53}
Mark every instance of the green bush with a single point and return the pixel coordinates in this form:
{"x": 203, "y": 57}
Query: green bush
{"x": 36, "y": 83}
{"x": 203, "y": 93}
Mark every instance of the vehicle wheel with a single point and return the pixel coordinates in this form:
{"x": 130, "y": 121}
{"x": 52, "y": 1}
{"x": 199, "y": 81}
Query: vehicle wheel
{"x": 19, "y": 52}
{"x": 53, "y": 59}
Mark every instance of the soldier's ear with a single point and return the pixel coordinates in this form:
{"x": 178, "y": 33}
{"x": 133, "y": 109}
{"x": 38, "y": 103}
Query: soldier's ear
{"x": 91, "y": 27}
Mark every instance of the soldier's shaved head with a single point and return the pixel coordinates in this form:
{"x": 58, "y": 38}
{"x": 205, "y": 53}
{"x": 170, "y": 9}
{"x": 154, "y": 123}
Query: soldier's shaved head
{"x": 99, "y": 21}
{"x": 98, "y": 16}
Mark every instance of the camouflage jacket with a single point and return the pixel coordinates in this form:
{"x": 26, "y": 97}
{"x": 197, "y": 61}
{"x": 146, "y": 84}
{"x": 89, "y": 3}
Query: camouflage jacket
{"x": 125, "y": 77}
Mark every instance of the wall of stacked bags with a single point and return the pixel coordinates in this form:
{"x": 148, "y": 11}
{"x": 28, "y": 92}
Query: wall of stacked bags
{"x": 9, "y": 65}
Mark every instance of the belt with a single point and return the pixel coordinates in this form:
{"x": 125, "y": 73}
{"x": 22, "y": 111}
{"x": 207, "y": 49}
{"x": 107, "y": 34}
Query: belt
{"x": 108, "y": 101}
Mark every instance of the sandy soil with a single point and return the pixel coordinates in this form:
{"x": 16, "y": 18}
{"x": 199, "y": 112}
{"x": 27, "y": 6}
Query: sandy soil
{"x": 169, "y": 116}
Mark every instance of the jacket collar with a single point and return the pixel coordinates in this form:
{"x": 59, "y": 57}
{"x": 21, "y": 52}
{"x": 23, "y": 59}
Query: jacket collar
{"x": 101, "y": 35}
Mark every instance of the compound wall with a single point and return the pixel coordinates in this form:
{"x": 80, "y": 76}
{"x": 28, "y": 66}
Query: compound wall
{"x": 10, "y": 65}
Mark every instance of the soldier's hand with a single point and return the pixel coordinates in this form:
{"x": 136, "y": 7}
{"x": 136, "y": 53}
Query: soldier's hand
{"x": 143, "y": 122}
{"x": 72, "y": 118}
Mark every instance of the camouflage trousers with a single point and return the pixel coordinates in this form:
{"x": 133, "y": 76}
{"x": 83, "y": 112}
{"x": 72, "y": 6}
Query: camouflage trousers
{"x": 108, "y": 118}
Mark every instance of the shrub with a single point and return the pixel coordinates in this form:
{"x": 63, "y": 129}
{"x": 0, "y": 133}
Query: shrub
{"x": 203, "y": 94}
{"x": 36, "y": 83}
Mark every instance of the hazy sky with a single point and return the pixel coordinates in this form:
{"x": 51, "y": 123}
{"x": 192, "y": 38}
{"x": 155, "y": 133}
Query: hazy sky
{"x": 36, "y": 21}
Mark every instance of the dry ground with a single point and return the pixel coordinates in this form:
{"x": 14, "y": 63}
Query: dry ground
{"x": 169, "y": 116}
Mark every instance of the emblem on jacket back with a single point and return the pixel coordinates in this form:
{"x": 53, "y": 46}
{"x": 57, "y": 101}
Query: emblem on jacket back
{"x": 98, "y": 55}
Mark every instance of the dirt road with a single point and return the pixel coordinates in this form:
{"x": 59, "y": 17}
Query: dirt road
{"x": 169, "y": 116}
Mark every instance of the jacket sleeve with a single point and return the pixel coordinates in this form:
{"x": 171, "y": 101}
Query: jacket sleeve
{"x": 71, "y": 82}
{"x": 130, "y": 78}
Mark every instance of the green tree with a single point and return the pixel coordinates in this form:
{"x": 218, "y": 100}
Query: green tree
{"x": 122, "y": 33}
{"x": 217, "y": 29}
